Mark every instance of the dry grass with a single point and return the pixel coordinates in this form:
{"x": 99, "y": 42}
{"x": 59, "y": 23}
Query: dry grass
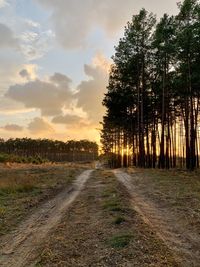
{"x": 23, "y": 187}
{"x": 177, "y": 190}
{"x": 20, "y": 184}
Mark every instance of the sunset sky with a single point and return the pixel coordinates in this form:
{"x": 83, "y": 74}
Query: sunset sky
{"x": 54, "y": 62}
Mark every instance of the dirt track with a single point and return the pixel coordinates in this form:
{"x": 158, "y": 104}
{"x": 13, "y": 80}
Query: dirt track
{"x": 79, "y": 234}
{"x": 100, "y": 229}
{"x": 186, "y": 246}
{"x": 19, "y": 248}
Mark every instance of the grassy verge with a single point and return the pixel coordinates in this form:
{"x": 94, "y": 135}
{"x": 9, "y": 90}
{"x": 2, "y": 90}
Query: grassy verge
{"x": 22, "y": 189}
{"x": 177, "y": 190}
{"x": 175, "y": 184}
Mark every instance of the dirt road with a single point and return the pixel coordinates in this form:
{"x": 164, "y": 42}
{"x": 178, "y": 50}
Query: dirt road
{"x": 96, "y": 223}
{"x": 19, "y": 248}
{"x": 184, "y": 244}
{"x": 101, "y": 230}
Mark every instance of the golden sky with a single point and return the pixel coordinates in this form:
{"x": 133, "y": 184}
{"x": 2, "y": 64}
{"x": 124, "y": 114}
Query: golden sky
{"x": 54, "y": 63}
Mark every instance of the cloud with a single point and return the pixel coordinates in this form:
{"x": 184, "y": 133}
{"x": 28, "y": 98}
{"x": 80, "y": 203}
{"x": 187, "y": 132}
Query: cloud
{"x": 71, "y": 121}
{"x": 10, "y": 67}
{"x": 66, "y": 119}
{"x": 3, "y": 3}
{"x": 24, "y": 74}
{"x": 53, "y": 97}
{"x": 7, "y": 38}
{"x": 11, "y": 64}
{"x": 34, "y": 39}
{"x": 40, "y": 126}
{"x": 99, "y": 60}
{"x": 91, "y": 92}
{"x": 12, "y": 128}
{"x": 60, "y": 79}
{"x": 48, "y": 96}
{"x": 74, "y": 20}
{"x": 32, "y": 24}
{"x": 35, "y": 43}
{"x": 29, "y": 72}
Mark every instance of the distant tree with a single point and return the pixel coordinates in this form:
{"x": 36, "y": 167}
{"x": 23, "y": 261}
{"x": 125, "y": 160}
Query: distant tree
{"x": 83, "y": 150}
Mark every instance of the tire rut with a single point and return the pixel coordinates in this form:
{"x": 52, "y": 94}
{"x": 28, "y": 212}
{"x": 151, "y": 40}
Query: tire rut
{"x": 184, "y": 245}
{"x": 19, "y": 248}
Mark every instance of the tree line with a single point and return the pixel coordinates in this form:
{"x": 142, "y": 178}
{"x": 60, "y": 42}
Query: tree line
{"x": 153, "y": 94}
{"x": 56, "y": 151}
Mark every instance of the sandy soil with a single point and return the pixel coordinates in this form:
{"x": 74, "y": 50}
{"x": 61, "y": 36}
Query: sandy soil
{"x": 19, "y": 248}
{"x": 184, "y": 243}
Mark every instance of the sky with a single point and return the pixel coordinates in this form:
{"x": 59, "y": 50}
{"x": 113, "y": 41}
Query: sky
{"x": 54, "y": 63}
